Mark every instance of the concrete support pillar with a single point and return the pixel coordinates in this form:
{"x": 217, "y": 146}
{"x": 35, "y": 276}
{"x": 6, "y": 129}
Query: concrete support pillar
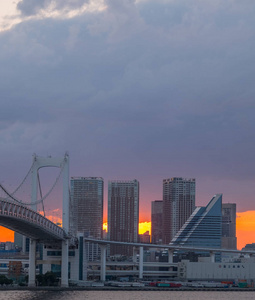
{"x": 74, "y": 266}
{"x": 46, "y": 266}
{"x": 32, "y": 253}
{"x": 134, "y": 254}
{"x": 85, "y": 263}
{"x": 64, "y": 264}
{"x": 24, "y": 244}
{"x": 170, "y": 256}
{"x": 134, "y": 259}
{"x": 212, "y": 256}
{"x": 103, "y": 262}
{"x": 141, "y": 263}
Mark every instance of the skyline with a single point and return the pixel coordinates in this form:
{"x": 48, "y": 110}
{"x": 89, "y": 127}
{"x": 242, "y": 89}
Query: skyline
{"x": 244, "y": 232}
{"x": 145, "y": 89}
{"x": 245, "y": 220}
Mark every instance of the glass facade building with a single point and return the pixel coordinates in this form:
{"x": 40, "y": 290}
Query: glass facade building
{"x": 203, "y": 228}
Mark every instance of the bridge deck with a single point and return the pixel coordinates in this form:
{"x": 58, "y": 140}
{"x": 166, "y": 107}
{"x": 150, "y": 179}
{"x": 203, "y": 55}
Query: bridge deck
{"x": 29, "y": 223}
{"x": 30, "y": 230}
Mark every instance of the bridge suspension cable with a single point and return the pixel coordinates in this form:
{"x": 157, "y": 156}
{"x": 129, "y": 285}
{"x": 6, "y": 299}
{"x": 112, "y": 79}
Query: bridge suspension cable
{"x": 10, "y": 195}
{"x": 22, "y": 182}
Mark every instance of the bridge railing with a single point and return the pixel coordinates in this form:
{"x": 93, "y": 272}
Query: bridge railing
{"x": 15, "y": 210}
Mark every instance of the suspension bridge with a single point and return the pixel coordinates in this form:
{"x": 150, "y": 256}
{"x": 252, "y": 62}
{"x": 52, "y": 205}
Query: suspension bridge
{"x": 22, "y": 216}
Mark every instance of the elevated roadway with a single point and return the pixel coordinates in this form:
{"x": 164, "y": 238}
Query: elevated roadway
{"x": 168, "y": 246}
{"x": 30, "y": 223}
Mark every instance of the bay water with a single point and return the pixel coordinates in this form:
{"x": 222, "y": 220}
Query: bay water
{"x": 126, "y": 295}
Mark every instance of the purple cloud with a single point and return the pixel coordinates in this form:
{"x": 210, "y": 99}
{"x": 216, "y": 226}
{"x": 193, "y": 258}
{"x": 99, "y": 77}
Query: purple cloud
{"x": 32, "y": 7}
{"x": 143, "y": 90}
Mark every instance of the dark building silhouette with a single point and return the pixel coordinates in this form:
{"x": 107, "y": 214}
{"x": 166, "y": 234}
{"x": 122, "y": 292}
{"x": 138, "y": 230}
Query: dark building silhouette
{"x": 228, "y": 225}
{"x": 145, "y": 237}
{"x": 156, "y": 221}
{"x": 123, "y": 214}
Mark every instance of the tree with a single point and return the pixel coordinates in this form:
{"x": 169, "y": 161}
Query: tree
{"x": 47, "y": 279}
{"x": 5, "y": 280}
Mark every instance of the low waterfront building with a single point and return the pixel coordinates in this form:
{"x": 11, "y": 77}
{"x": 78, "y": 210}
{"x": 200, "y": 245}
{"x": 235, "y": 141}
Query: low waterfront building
{"x": 216, "y": 271}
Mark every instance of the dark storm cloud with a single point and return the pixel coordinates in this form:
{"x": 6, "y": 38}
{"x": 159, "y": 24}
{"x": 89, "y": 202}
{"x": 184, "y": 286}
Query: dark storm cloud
{"x": 32, "y": 7}
{"x": 149, "y": 90}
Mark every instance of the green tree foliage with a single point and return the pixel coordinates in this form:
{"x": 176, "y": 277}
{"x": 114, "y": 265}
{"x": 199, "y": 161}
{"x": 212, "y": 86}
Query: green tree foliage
{"x": 47, "y": 279}
{"x": 5, "y": 280}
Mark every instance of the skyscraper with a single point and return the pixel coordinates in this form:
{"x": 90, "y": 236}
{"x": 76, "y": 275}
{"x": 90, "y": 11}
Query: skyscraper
{"x": 178, "y": 204}
{"x": 229, "y": 225}
{"x": 86, "y": 210}
{"x": 123, "y": 214}
{"x": 203, "y": 228}
{"x": 156, "y": 221}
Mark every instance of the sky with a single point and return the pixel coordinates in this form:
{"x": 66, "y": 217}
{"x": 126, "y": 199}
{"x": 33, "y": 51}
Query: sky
{"x": 145, "y": 90}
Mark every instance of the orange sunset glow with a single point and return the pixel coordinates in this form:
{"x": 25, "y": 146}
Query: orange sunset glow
{"x": 245, "y": 228}
{"x": 143, "y": 227}
{"x": 6, "y": 235}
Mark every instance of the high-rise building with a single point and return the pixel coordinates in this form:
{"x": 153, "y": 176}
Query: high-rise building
{"x": 203, "y": 228}
{"x": 178, "y": 204}
{"x": 229, "y": 225}
{"x": 123, "y": 214}
{"x": 86, "y": 210}
{"x": 156, "y": 221}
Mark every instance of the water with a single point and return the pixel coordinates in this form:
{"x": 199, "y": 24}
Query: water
{"x": 124, "y": 295}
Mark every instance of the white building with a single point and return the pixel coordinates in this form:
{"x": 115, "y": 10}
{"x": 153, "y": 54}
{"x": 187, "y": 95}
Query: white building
{"x": 216, "y": 271}
{"x": 86, "y": 211}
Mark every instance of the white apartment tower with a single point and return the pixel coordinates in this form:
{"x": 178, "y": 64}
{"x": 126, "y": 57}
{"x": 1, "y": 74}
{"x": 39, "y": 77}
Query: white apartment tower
{"x": 86, "y": 210}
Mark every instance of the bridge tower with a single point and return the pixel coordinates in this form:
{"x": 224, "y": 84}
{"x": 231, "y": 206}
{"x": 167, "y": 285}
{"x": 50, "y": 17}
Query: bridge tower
{"x": 63, "y": 164}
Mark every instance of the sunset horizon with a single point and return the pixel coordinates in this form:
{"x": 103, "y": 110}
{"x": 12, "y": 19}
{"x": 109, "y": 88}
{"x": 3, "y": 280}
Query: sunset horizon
{"x": 245, "y": 221}
{"x": 135, "y": 113}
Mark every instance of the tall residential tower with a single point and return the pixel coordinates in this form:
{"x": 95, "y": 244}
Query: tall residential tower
{"x": 86, "y": 210}
{"x": 229, "y": 225}
{"x": 178, "y": 204}
{"x": 156, "y": 221}
{"x": 123, "y": 214}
